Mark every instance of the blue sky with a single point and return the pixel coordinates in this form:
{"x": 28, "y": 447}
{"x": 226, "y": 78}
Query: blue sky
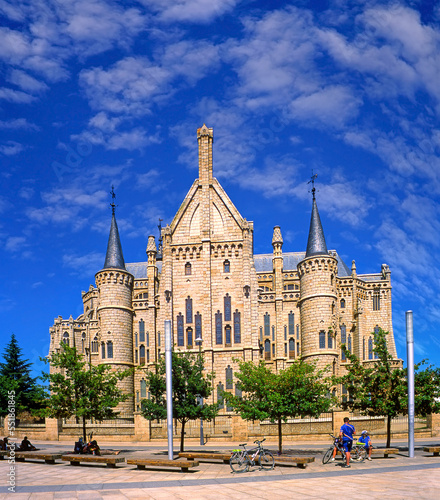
{"x": 95, "y": 93}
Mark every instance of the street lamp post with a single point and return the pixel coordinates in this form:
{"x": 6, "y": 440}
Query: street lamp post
{"x": 199, "y": 341}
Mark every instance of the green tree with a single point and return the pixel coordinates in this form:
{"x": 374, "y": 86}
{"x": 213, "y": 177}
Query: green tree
{"x": 426, "y": 389}
{"x": 189, "y": 385}
{"x": 299, "y": 390}
{"x": 82, "y": 390}
{"x": 375, "y": 389}
{"x": 15, "y": 377}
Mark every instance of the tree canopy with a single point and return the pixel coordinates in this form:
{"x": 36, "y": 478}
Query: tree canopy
{"x": 15, "y": 376}
{"x": 82, "y": 390}
{"x": 299, "y": 390}
{"x": 189, "y": 386}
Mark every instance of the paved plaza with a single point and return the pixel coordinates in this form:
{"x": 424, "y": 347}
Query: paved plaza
{"x": 396, "y": 477}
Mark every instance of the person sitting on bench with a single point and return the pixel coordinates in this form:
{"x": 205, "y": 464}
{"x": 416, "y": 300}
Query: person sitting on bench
{"x": 26, "y": 445}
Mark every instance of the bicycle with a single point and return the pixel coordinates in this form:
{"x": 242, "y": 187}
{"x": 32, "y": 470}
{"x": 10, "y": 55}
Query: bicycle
{"x": 241, "y": 460}
{"x": 358, "y": 452}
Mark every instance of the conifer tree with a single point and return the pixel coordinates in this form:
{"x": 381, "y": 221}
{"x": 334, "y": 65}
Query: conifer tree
{"x": 15, "y": 376}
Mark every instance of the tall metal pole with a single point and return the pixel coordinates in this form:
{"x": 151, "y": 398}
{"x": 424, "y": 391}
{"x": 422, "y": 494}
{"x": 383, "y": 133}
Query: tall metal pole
{"x": 410, "y": 360}
{"x": 169, "y": 386}
{"x": 199, "y": 341}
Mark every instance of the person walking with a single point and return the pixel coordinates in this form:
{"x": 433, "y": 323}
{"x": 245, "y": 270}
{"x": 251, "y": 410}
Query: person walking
{"x": 346, "y": 434}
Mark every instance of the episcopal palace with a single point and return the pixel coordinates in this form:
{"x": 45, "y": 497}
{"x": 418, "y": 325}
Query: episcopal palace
{"x": 203, "y": 275}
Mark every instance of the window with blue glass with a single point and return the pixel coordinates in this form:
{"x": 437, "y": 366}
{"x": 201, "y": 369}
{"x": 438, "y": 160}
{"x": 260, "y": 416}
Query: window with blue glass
{"x": 218, "y": 328}
{"x": 370, "y": 348}
{"x": 329, "y": 340}
{"x": 198, "y": 323}
{"x": 237, "y": 327}
{"x": 349, "y": 343}
{"x": 143, "y": 389}
{"x": 141, "y": 331}
{"x": 227, "y": 307}
{"x": 220, "y": 396}
{"x": 291, "y": 323}
{"x": 180, "y": 339}
{"x": 342, "y": 303}
{"x": 142, "y": 354}
{"x": 109, "y": 349}
{"x": 267, "y": 349}
{"x": 291, "y": 348}
{"x": 102, "y": 350}
{"x": 189, "y": 310}
{"x": 322, "y": 339}
{"x": 343, "y": 340}
{"x": 228, "y": 335}
{"x": 189, "y": 337}
{"x": 226, "y": 266}
{"x": 376, "y": 331}
{"x": 267, "y": 324}
{"x": 229, "y": 375}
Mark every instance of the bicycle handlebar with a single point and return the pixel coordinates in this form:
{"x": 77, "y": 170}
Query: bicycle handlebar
{"x": 259, "y": 442}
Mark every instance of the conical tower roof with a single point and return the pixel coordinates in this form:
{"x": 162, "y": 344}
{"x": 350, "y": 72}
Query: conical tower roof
{"x": 114, "y": 258}
{"x": 316, "y": 243}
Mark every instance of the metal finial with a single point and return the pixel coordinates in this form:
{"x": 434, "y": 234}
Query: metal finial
{"x": 112, "y": 204}
{"x": 312, "y": 180}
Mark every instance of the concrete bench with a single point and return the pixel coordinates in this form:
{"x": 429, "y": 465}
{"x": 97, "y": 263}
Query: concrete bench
{"x": 206, "y": 456}
{"x": 109, "y": 461}
{"x": 21, "y": 456}
{"x": 385, "y": 451}
{"x": 432, "y": 449}
{"x": 162, "y": 462}
{"x": 300, "y": 462}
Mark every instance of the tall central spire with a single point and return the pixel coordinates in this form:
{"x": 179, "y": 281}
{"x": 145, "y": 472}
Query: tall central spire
{"x": 114, "y": 258}
{"x": 316, "y": 243}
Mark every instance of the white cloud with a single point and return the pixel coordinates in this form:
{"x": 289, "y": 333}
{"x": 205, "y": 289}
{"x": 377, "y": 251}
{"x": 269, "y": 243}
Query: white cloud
{"x": 16, "y": 96}
{"x": 191, "y": 11}
{"x": 11, "y": 148}
{"x": 84, "y": 265}
{"x": 18, "y": 123}
{"x": 15, "y": 243}
{"x": 26, "y": 82}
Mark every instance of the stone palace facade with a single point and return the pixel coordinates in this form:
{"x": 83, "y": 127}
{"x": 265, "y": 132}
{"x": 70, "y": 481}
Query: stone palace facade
{"x": 203, "y": 275}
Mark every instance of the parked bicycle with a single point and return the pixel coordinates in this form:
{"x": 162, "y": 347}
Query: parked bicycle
{"x": 241, "y": 460}
{"x": 358, "y": 451}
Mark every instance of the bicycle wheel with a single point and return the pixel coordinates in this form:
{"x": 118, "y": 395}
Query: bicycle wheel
{"x": 266, "y": 460}
{"x": 327, "y": 456}
{"x": 360, "y": 454}
{"x": 239, "y": 463}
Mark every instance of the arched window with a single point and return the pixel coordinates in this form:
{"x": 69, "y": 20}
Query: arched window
{"x": 180, "y": 340}
{"x": 220, "y": 396}
{"x": 109, "y": 349}
{"x": 267, "y": 324}
{"x": 189, "y": 309}
{"x": 188, "y": 269}
{"x": 227, "y": 335}
{"x": 291, "y": 348}
{"x": 226, "y": 266}
{"x": 376, "y": 300}
{"x": 376, "y": 331}
{"x": 227, "y": 307}
{"x": 189, "y": 337}
{"x": 141, "y": 331}
{"x": 142, "y": 355}
{"x": 143, "y": 389}
{"x": 237, "y": 327}
{"x": 344, "y": 394}
{"x": 102, "y": 350}
{"x": 343, "y": 340}
{"x": 135, "y": 339}
{"x": 229, "y": 374}
{"x": 297, "y": 332}
{"x": 218, "y": 328}
{"x": 267, "y": 349}
{"x": 342, "y": 303}
{"x": 95, "y": 344}
{"x": 370, "y": 348}
{"x": 349, "y": 343}
{"x": 363, "y": 348}
{"x": 83, "y": 342}
{"x": 291, "y": 324}
{"x": 198, "y": 323}
{"x": 322, "y": 339}
{"x": 66, "y": 338}
{"x": 238, "y": 391}
{"x": 329, "y": 340}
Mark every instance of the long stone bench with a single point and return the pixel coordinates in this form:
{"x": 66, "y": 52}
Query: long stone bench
{"x": 432, "y": 449}
{"x": 21, "y": 456}
{"x": 110, "y": 461}
{"x": 386, "y": 451}
{"x": 301, "y": 462}
{"x": 141, "y": 463}
{"x": 205, "y": 456}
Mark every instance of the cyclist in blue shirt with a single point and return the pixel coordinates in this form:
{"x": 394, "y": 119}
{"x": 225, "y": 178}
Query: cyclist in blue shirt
{"x": 346, "y": 433}
{"x": 365, "y": 438}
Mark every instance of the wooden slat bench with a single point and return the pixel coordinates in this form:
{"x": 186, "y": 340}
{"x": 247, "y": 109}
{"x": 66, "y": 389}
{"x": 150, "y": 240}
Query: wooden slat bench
{"x": 206, "y": 456}
{"x": 432, "y": 449}
{"x": 109, "y": 461}
{"x": 385, "y": 451}
{"x": 49, "y": 458}
{"x": 162, "y": 462}
{"x": 301, "y": 462}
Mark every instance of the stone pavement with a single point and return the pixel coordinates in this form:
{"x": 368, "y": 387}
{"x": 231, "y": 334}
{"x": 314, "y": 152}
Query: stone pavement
{"x": 397, "y": 477}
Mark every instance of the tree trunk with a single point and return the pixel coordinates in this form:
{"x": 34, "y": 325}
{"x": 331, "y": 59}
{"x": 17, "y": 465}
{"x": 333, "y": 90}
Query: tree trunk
{"x": 182, "y": 437}
{"x": 280, "y": 437}
{"x": 84, "y": 429}
{"x": 388, "y": 431}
